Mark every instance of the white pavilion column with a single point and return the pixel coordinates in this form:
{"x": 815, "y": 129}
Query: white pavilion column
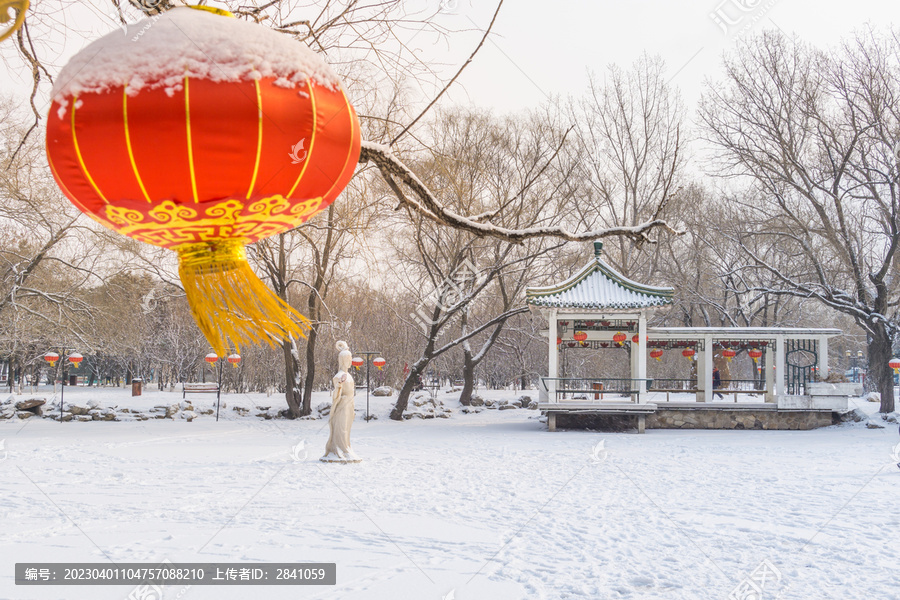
{"x": 779, "y": 366}
{"x": 641, "y": 348}
{"x": 770, "y": 374}
{"x": 553, "y": 354}
{"x": 823, "y": 358}
{"x": 707, "y": 369}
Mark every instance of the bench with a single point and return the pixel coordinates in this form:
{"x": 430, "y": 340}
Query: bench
{"x": 198, "y": 388}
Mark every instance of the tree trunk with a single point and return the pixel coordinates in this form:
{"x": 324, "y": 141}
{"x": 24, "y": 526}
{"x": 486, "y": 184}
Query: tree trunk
{"x": 310, "y": 368}
{"x": 465, "y": 398}
{"x": 292, "y": 392}
{"x": 880, "y": 374}
{"x": 408, "y": 385}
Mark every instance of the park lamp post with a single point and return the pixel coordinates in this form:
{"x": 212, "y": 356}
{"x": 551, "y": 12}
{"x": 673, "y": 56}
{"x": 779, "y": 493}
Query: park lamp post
{"x": 75, "y": 359}
{"x": 378, "y": 362}
{"x": 213, "y": 359}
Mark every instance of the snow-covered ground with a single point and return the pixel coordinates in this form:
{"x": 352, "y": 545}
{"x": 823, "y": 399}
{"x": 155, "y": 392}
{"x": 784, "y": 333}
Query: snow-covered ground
{"x": 486, "y": 506}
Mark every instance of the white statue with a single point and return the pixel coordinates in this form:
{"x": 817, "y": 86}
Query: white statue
{"x": 341, "y": 419}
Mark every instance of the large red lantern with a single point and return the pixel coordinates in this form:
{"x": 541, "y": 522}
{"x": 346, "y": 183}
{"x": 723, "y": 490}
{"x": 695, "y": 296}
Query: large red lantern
{"x": 234, "y": 359}
{"x": 202, "y": 134}
{"x": 357, "y": 362}
{"x": 211, "y": 358}
{"x": 580, "y": 336}
{"x": 688, "y": 353}
{"x": 75, "y": 358}
{"x": 657, "y": 354}
{"x": 729, "y": 354}
{"x": 754, "y": 354}
{"x": 379, "y": 362}
{"x": 51, "y": 357}
{"x": 619, "y": 337}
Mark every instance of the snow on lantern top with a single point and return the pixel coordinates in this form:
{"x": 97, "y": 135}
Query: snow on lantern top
{"x": 160, "y": 52}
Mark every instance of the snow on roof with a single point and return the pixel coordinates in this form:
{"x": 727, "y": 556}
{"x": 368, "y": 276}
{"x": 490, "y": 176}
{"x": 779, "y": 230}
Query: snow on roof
{"x": 162, "y": 50}
{"x": 598, "y": 286}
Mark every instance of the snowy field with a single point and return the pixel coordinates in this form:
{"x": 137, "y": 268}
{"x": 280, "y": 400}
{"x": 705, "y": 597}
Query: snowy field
{"x": 477, "y": 506}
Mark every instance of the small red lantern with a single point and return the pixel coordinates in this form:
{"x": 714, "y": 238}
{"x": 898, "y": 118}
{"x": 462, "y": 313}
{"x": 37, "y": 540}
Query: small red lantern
{"x": 51, "y": 357}
{"x": 580, "y": 336}
{"x": 895, "y": 364}
{"x": 657, "y": 354}
{"x": 211, "y": 358}
{"x": 558, "y": 341}
{"x": 620, "y": 337}
{"x": 234, "y": 359}
{"x": 688, "y": 353}
{"x": 75, "y": 359}
{"x": 358, "y": 362}
{"x": 755, "y": 354}
{"x": 379, "y": 362}
{"x": 729, "y": 354}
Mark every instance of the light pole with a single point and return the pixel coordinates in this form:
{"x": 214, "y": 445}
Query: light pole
{"x": 859, "y": 357}
{"x": 369, "y": 354}
{"x": 75, "y": 358}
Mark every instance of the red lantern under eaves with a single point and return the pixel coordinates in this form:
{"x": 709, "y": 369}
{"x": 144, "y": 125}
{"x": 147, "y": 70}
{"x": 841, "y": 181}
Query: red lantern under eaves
{"x": 688, "y": 353}
{"x": 657, "y": 354}
{"x": 729, "y": 354}
{"x": 580, "y": 336}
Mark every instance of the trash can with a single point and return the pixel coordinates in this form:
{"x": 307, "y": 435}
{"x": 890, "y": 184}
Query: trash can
{"x": 136, "y": 386}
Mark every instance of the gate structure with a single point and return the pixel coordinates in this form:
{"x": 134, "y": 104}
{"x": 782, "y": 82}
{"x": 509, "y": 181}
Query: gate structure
{"x": 802, "y": 359}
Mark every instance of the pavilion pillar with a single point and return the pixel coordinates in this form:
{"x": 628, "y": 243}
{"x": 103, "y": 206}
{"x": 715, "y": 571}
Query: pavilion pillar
{"x": 641, "y": 349}
{"x": 553, "y": 354}
{"x": 779, "y": 366}
{"x": 823, "y": 358}
{"x": 769, "y": 373}
{"x": 707, "y": 355}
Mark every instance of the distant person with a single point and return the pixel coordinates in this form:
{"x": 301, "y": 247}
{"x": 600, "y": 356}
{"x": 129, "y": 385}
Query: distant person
{"x": 717, "y": 382}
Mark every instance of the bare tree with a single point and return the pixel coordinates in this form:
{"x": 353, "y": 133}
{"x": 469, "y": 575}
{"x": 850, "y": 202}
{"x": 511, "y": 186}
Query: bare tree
{"x": 815, "y": 132}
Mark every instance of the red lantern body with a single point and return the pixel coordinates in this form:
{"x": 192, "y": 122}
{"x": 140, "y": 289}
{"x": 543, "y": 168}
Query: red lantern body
{"x": 211, "y": 358}
{"x": 619, "y": 337}
{"x": 657, "y": 354}
{"x": 51, "y": 357}
{"x": 204, "y": 157}
{"x": 688, "y": 353}
{"x": 754, "y": 354}
{"x": 75, "y": 358}
{"x": 580, "y": 336}
{"x": 895, "y": 364}
{"x": 729, "y": 354}
{"x": 234, "y": 359}
{"x": 379, "y": 362}
{"x": 357, "y": 362}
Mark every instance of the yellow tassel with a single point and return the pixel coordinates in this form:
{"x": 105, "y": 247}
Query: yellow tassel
{"x": 231, "y": 306}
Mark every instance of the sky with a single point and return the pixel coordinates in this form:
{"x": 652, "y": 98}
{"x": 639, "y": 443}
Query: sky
{"x": 542, "y": 49}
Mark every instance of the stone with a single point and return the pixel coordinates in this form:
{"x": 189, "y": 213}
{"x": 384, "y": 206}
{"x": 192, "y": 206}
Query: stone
{"x": 854, "y": 416}
{"x": 25, "y": 414}
{"x": 263, "y": 408}
{"x": 508, "y": 407}
{"x": 83, "y": 418}
{"x": 384, "y": 390}
{"x": 78, "y": 409}
{"x": 188, "y": 415}
{"x": 533, "y": 405}
{"x": 476, "y": 400}
{"x": 30, "y": 403}
{"x": 66, "y": 417}
{"x": 471, "y": 410}
{"x": 874, "y": 425}
{"x": 524, "y": 401}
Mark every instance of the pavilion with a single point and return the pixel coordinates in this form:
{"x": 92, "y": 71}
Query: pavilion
{"x": 598, "y": 308}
